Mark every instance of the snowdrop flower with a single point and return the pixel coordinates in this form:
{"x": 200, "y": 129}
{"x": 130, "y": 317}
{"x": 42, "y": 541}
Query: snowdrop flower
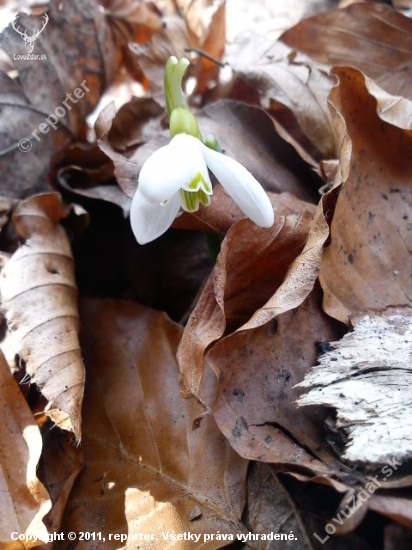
{"x": 176, "y": 176}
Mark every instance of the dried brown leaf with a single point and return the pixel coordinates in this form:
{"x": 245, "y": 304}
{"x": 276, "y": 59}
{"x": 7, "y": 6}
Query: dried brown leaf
{"x": 172, "y": 39}
{"x": 59, "y": 467}
{"x": 270, "y": 510}
{"x": 125, "y": 170}
{"x": 222, "y": 213}
{"x": 206, "y": 22}
{"x": 397, "y": 538}
{"x": 23, "y": 499}
{"x": 257, "y": 371}
{"x": 77, "y": 32}
{"x": 135, "y": 123}
{"x": 148, "y": 469}
{"x": 247, "y": 134}
{"x": 86, "y": 171}
{"x": 132, "y": 20}
{"x": 396, "y": 508}
{"x": 303, "y": 272}
{"x": 251, "y": 265}
{"x": 289, "y": 80}
{"x": 39, "y": 298}
{"x": 367, "y": 35}
{"x": 371, "y": 231}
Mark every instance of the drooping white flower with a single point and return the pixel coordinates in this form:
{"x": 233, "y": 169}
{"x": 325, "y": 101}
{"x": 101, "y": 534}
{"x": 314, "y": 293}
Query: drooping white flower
{"x": 176, "y": 176}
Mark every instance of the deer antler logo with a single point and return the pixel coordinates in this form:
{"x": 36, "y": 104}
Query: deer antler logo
{"x": 29, "y": 40}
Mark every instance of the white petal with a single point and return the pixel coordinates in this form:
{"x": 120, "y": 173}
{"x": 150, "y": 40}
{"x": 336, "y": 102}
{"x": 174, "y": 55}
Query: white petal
{"x": 150, "y": 220}
{"x": 172, "y": 167}
{"x": 244, "y": 189}
{"x": 194, "y": 163}
{"x": 159, "y": 178}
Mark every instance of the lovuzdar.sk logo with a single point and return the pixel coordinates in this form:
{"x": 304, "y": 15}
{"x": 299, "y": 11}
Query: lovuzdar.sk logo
{"x": 29, "y": 40}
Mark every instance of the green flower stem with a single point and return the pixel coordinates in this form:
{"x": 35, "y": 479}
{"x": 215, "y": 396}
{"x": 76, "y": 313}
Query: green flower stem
{"x": 181, "y": 121}
{"x": 174, "y": 72}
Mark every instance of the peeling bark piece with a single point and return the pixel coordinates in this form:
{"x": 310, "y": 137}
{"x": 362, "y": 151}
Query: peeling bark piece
{"x": 366, "y": 378}
{"x": 39, "y": 298}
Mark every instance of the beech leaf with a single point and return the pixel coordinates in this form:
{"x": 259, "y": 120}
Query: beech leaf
{"x": 367, "y": 35}
{"x": 371, "y": 232}
{"x": 24, "y": 500}
{"x": 257, "y": 370}
{"x": 251, "y": 265}
{"x": 39, "y": 298}
{"x": 148, "y": 467}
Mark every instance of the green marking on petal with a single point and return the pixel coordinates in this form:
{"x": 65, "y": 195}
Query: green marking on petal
{"x": 190, "y": 200}
{"x": 203, "y": 198}
{"x": 199, "y": 183}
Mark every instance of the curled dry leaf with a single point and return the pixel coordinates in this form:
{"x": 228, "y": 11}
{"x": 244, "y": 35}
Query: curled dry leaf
{"x": 60, "y": 464}
{"x": 251, "y": 265}
{"x": 86, "y": 171}
{"x": 397, "y": 537}
{"x": 77, "y": 31}
{"x": 135, "y": 123}
{"x": 303, "y": 272}
{"x": 125, "y": 170}
{"x": 293, "y": 81}
{"x": 222, "y": 212}
{"x": 257, "y": 370}
{"x": 371, "y": 229}
{"x": 148, "y": 470}
{"x": 368, "y": 35}
{"x": 206, "y": 23}
{"x": 39, "y": 298}
{"x": 23, "y": 499}
{"x": 132, "y": 20}
{"x": 247, "y": 134}
{"x": 395, "y": 508}
{"x": 270, "y": 510}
